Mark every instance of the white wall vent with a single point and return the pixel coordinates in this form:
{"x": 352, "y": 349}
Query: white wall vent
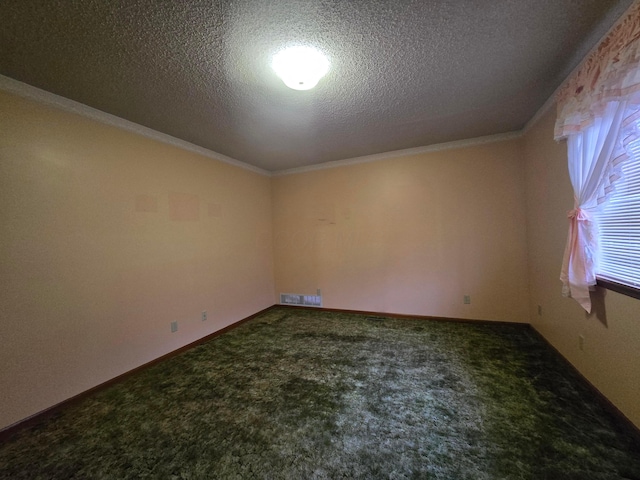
{"x": 303, "y": 300}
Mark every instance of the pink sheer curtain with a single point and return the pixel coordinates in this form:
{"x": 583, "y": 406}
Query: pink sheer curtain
{"x": 597, "y": 109}
{"x": 592, "y": 162}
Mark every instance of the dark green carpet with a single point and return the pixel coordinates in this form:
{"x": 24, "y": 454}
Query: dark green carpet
{"x": 301, "y": 394}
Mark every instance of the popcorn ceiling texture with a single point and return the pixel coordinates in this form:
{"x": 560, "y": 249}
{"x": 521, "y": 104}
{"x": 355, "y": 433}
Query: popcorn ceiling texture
{"x": 404, "y": 73}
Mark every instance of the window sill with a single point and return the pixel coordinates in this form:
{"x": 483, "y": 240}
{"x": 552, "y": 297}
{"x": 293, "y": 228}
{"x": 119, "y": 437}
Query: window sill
{"x": 619, "y": 288}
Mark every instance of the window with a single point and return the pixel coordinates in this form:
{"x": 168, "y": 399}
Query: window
{"x": 619, "y": 220}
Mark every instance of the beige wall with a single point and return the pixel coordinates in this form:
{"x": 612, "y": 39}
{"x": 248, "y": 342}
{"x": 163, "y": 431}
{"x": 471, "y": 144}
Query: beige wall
{"x": 611, "y": 355}
{"x": 107, "y": 237}
{"x": 409, "y": 235}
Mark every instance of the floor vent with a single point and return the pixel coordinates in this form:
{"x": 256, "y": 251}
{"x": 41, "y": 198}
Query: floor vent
{"x": 303, "y": 300}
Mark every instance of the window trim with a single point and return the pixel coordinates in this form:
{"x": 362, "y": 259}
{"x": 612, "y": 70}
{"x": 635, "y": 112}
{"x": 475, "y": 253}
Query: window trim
{"x": 618, "y": 287}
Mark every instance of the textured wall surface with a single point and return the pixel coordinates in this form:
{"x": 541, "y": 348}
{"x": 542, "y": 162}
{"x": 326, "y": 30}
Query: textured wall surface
{"x": 611, "y": 357}
{"x": 107, "y": 238}
{"x": 404, "y": 73}
{"x": 409, "y": 235}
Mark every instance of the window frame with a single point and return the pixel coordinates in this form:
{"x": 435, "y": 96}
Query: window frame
{"x": 618, "y": 287}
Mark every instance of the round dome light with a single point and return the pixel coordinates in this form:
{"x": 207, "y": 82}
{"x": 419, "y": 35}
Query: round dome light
{"x": 300, "y": 68}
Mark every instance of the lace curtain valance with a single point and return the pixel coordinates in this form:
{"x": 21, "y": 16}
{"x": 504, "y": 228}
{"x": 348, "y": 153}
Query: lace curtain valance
{"x": 609, "y": 73}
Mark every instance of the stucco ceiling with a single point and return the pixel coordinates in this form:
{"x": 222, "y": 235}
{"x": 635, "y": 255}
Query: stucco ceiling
{"x": 404, "y": 73}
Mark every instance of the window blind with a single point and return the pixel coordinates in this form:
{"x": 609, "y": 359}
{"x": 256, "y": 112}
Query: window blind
{"x": 619, "y": 220}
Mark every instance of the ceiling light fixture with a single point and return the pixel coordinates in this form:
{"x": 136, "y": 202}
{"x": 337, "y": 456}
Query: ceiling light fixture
{"x": 301, "y": 67}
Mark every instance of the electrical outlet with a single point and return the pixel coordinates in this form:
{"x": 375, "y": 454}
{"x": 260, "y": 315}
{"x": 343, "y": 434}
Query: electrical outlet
{"x": 204, "y": 315}
{"x": 581, "y": 342}
{"x": 174, "y": 327}
{"x": 540, "y": 310}
{"x": 467, "y": 299}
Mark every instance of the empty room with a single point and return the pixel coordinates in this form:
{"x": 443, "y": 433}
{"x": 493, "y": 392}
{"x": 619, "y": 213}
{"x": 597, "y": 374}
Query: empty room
{"x": 291, "y": 239}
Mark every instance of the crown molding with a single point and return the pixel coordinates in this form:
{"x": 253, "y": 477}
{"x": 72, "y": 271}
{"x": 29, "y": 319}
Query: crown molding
{"x": 552, "y": 99}
{"x": 469, "y": 142}
{"x": 546, "y": 106}
{"x": 30, "y": 92}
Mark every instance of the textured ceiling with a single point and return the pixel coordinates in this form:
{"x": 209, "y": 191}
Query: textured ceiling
{"x": 404, "y": 73}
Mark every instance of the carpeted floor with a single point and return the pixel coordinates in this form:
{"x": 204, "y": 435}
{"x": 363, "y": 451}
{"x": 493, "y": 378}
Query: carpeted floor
{"x": 299, "y": 394}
